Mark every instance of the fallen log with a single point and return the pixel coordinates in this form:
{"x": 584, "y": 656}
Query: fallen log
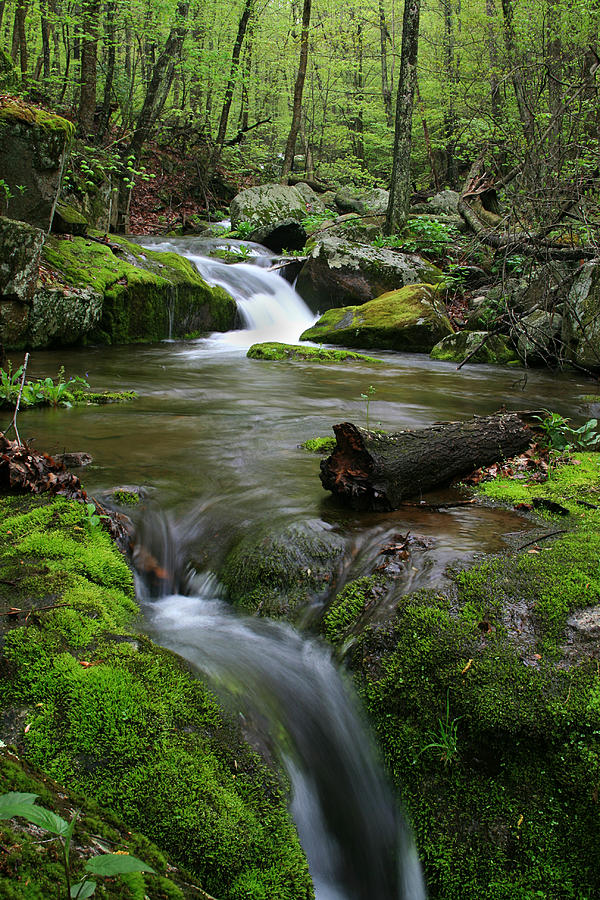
{"x": 377, "y": 471}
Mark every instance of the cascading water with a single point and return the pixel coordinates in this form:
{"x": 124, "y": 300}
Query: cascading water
{"x": 357, "y": 843}
{"x": 269, "y": 307}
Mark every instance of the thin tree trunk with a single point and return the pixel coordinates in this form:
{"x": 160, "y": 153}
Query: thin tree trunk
{"x": 525, "y": 114}
{"x": 19, "y": 39}
{"x": 386, "y": 90}
{"x": 111, "y": 54}
{"x": 290, "y": 147}
{"x": 490, "y": 11}
{"x": 400, "y": 188}
{"x": 228, "y": 99}
{"x": 450, "y": 79}
{"x": 2, "y": 5}
{"x": 427, "y": 138}
{"x": 89, "y": 64}
{"x": 45, "y": 29}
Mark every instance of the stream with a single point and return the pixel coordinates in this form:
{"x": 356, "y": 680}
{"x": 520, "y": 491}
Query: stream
{"x": 214, "y": 440}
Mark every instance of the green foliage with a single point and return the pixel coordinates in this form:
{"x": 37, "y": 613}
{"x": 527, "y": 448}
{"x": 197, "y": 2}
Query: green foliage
{"x": 314, "y": 221}
{"x": 42, "y": 392}
{"x": 22, "y": 805}
{"x": 443, "y": 742}
{"x": 560, "y": 436}
{"x": 421, "y": 235}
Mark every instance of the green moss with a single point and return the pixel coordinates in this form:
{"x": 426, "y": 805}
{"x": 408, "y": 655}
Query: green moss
{"x": 125, "y": 497}
{"x": 274, "y": 350}
{"x": 113, "y": 716}
{"x": 349, "y": 606}
{"x": 12, "y": 111}
{"x": 319, "y": 445}
{"x": 523, "y": 699}
{"x": 408, "y": 319}
{"x": 457, "y": 347}
{"x": 91, "y": 398}
{"x": 278, "y": 572}
{"x": 143, "y": 290}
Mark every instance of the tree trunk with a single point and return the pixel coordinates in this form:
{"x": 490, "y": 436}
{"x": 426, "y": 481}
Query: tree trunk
{"x": 371, "y": 471}
{"x": 386, "y": 89}
{"x": 400, "y": 188}
{"x": 45, "y": 30}
{"x": 89, "y": 65}
{"x": 228, "y": 99}
{"x": 290, "y": 148}
{"x": 111, "y": 51}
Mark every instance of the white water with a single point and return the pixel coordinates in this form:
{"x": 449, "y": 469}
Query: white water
{"x": 356, "y": 841}
{"x": 269, "y": 307}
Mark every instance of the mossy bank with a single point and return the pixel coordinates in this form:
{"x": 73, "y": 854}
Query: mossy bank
{"x": 485, "y": 698}
{"x": 109, "y": 714}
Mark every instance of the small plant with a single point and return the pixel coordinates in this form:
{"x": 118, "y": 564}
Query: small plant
{"x": 93, "y": 518}
{"x": 367, "y": 398}
{"x": 244, "y": 229}
{"x": 314, "y": 220}
{"x": 560, "y": 436}
{"x": 107, "y": 865}
{"x": 444, "y": 741}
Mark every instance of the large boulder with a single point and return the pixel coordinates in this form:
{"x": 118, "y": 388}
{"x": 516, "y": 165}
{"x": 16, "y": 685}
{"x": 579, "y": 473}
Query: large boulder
{"x": 33, "y": 145}
{"x": 411, "y": 319}
{"x": 69, "y": 290}
{"x": 373, "y": 201}
{"x": 340, "y": 272}
{"x": 493, "y": 349}
{"x": 269, "y": 204}
{"x": 582, "y": 318}
{"x": 538, "y": 337}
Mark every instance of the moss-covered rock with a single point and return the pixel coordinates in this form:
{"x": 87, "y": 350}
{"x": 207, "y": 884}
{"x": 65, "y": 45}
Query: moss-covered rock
{"x": 279, "y": 571}
{"x": 581, "y": 330}
{"x": 107, "y": 713}
{"x": 33, "y": 144}
{"x": 411, "y": 319}
{"x": 69, "y": 220}
{"x": 339, "y": 272}
{"x": 274, "y": 350}
{"x": 268, "y": 204}
{"x": 484, "y": 697}
{"x": 146, "y": 295}
{"x": 456, "y": 347}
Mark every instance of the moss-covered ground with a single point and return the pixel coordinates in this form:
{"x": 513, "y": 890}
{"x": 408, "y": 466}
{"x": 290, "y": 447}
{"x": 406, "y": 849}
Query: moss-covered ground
{"x": 107, "y": 713}
{"x": 485, "y": 698}
{"x": 147, "y": 295}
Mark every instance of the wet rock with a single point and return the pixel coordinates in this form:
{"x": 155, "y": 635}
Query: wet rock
{"x": 456, "y": 347}
{"x": 62, "y": 316}
{"x": 280, "y": 236}
{"x": 33, "y": 145}
{"x": 74, "y": 460}
{"x": 411, "y": 319}
{"x": 280, "y": 571}
{"x": 339, "y": 272}
{"x": 20, "y": 251}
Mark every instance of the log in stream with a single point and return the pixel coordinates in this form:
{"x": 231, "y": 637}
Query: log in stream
{"x": 376, "y": 471}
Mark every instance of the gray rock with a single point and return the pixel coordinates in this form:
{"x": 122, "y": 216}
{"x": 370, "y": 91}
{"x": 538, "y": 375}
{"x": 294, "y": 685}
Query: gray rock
{"x": 581, "y": 330}
{"x": 363, "y": 202}
{"x": 446, "y": 202}
{"x": 33, "y": 145}
{"x": 340, "y": 272}
{"x": 20, "y": 250}
{"x": 268, "y": 204}
{"x": 313, "y": 202}
{"x": 538, "y": 337}
{"x": 59, "y": 317}
{"x": 280, "y": 236}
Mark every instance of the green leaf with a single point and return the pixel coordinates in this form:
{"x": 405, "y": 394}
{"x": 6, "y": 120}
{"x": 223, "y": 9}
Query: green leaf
{"x": 116, "y": 864}
{"x": 83, "y": 889}
{"x": 11, "y": 804}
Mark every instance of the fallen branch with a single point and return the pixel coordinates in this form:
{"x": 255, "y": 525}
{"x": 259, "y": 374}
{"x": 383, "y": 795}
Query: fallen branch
{"x": 542, "y": 537}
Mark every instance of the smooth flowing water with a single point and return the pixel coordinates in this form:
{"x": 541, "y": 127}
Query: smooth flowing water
{"x": 214, "y": 437}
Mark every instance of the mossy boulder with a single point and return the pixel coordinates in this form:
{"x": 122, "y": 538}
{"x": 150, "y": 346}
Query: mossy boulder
{"x": 33, "y": 145}
{"x": 278, "y": 572}
{"x": 456, "y": 347}
{"x": 69, "y": 220}
{"x": 109, "y": 714}
{"x": 339, "y": 272}
{"x": 268, "y": 204}
{"x": 366, "y": 201}
{"x": 146, "y": 295}
{"x": 20, "y": 251}
{"x": 538, "y": 337}
{"x": 274, "y": 350}
{"x": 411, "y": 320}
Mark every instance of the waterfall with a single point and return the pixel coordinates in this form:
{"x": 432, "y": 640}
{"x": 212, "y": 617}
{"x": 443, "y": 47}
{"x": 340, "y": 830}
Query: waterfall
{"x": 357, "y": 842}
{"x": 269, "y": 307}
